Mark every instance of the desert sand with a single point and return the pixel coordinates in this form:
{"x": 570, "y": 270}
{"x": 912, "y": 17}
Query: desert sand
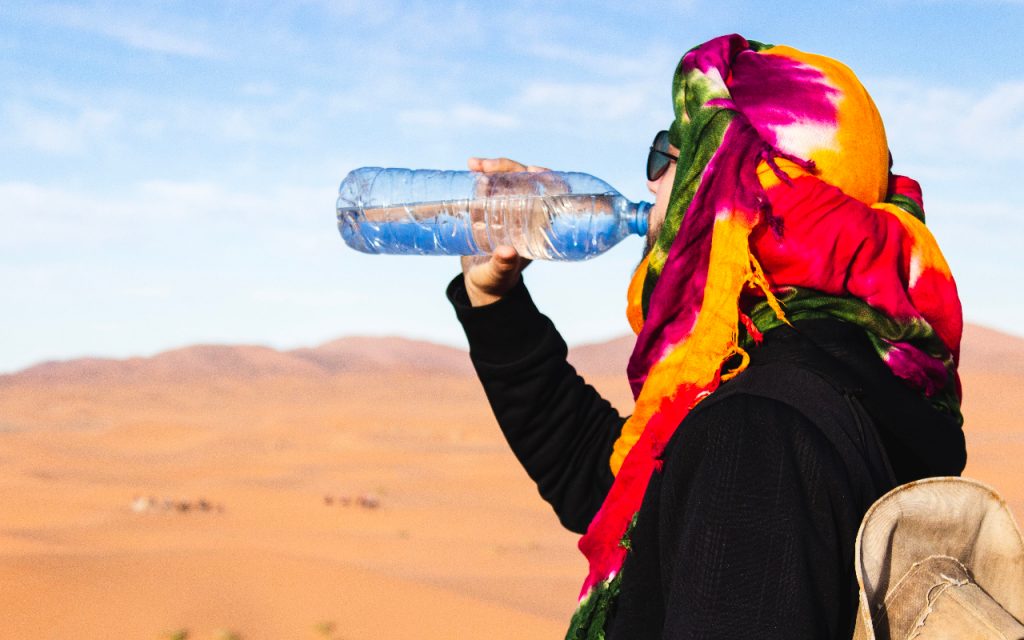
{"x": 356, "y": 490}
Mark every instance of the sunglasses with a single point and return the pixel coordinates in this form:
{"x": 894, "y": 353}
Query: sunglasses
{"x": 659, "y": 158}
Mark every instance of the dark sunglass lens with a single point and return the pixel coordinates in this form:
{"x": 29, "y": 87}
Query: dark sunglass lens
{"x": 661, "y": 141}
{"x": 656, "y": 165}
{"x": 657, "y": 160}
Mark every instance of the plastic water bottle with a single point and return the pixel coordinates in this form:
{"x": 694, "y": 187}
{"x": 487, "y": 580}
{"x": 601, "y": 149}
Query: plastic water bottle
{"x": 549, "y": 216}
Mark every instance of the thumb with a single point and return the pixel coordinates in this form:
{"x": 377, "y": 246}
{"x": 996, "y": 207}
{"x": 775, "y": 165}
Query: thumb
{"x": 505, "y": 264}
{"x": 505, "y": 259}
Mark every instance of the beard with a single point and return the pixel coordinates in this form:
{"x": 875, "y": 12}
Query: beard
{"x": 649, "y": 240}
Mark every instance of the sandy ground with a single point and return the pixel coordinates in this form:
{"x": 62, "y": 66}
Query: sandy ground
{"x": 433, "y": 530}
{"x": 458, "y": 546}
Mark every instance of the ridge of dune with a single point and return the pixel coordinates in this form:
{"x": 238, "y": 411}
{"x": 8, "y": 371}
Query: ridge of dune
{"x": 983, "y": 350}
{"x": 197, "y": 361}
{"x": 361, "y": 353}
{"x": 248, "y": 362}
{"x": 354, "y": 354}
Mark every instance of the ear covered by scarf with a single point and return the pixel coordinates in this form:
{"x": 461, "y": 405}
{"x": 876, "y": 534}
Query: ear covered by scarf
{"x": 782, "y": 196}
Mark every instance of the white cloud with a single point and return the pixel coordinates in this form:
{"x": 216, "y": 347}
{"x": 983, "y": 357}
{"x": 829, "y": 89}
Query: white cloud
{"x": 999, "y": 116}
{"x": 374, "y": 11}
{"x": 604, "y": 63}
{"x": 132, "y": 32}
{"x": 659, "y": 7}
{"x": 952, "y": 125}
{"x": 462, "y": 116}
{"x": 396, "y": 26}
{"x": 597, "y": 103}
{"x": 641, "y": 64}
{"x": 287, "y": 118}
{"x": 62, "y": 121}
{"x": 58, "y": 133}
{"x": 259, "y": 89}
{"x": 150, "y": 39}
{"x": 147, "y": 292}
{"x": 343, "y": 103}
{"x": 36, "y": 215}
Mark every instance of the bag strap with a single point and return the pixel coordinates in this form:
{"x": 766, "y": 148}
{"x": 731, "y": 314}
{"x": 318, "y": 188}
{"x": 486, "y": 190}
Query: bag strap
{"x": 845, "y": 424}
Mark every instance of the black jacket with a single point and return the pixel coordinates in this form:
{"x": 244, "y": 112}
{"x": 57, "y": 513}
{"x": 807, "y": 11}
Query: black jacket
{"x": 749, "y": 529}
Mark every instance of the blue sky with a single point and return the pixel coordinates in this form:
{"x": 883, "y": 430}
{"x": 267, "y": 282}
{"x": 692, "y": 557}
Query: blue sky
{"x": 168, "y": 171}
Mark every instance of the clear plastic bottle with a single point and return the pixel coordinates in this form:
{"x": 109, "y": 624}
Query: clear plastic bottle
{"x": 549, "y": 216}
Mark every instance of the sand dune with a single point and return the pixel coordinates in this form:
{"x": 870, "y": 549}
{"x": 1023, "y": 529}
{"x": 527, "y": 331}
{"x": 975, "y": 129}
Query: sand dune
{"x": 391, "y": 354}
{"x": 244, "y": 362}
{"x": 458, "y": 544}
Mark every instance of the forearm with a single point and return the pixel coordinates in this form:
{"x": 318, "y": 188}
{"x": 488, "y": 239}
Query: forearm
{"x": 559, "y": 427}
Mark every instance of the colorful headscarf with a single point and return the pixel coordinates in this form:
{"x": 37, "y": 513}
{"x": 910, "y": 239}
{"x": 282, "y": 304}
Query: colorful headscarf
{"x": 783, "y": 208}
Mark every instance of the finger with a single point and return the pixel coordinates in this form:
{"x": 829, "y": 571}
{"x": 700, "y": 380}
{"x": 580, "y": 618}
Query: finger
{"x": 505, "y": 267}
{"x": 535, "y": 169}
{"x": 475, "y": 164}
{"x": 496, "y": 165}
{"x": 505, "y": 253}
{"x": 503, "y": 274}
{"x": 506, "y": 259}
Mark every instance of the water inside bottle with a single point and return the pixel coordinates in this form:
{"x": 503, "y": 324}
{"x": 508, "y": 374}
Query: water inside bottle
{"x": 550, "y": 227}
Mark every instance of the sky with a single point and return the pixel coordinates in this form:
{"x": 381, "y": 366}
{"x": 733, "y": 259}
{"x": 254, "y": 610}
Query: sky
{"x": 168, "y": 171}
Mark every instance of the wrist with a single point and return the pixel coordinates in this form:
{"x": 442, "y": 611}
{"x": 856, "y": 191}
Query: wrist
{"x": 502, "y": 331}
{"x": 479, "y": 297}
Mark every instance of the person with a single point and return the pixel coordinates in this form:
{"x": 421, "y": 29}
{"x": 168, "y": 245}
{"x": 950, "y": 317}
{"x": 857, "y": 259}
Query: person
{"x": 797, "y": 340}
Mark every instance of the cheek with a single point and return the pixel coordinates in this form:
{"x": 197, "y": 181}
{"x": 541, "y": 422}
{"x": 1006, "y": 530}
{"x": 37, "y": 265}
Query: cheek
{"x": 661, "y": 197}
{"x": 665, "y": 185}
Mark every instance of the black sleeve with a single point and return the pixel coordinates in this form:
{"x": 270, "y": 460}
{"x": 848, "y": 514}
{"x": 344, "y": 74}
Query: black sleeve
{"x": 559, "y": 427}
{"x": 757, "y": 527}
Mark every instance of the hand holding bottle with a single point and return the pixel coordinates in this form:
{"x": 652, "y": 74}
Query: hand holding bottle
{"x": 488, "y": 278}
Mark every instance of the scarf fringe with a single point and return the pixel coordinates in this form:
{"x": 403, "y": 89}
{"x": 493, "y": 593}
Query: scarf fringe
{"x": 758, "y": 279}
